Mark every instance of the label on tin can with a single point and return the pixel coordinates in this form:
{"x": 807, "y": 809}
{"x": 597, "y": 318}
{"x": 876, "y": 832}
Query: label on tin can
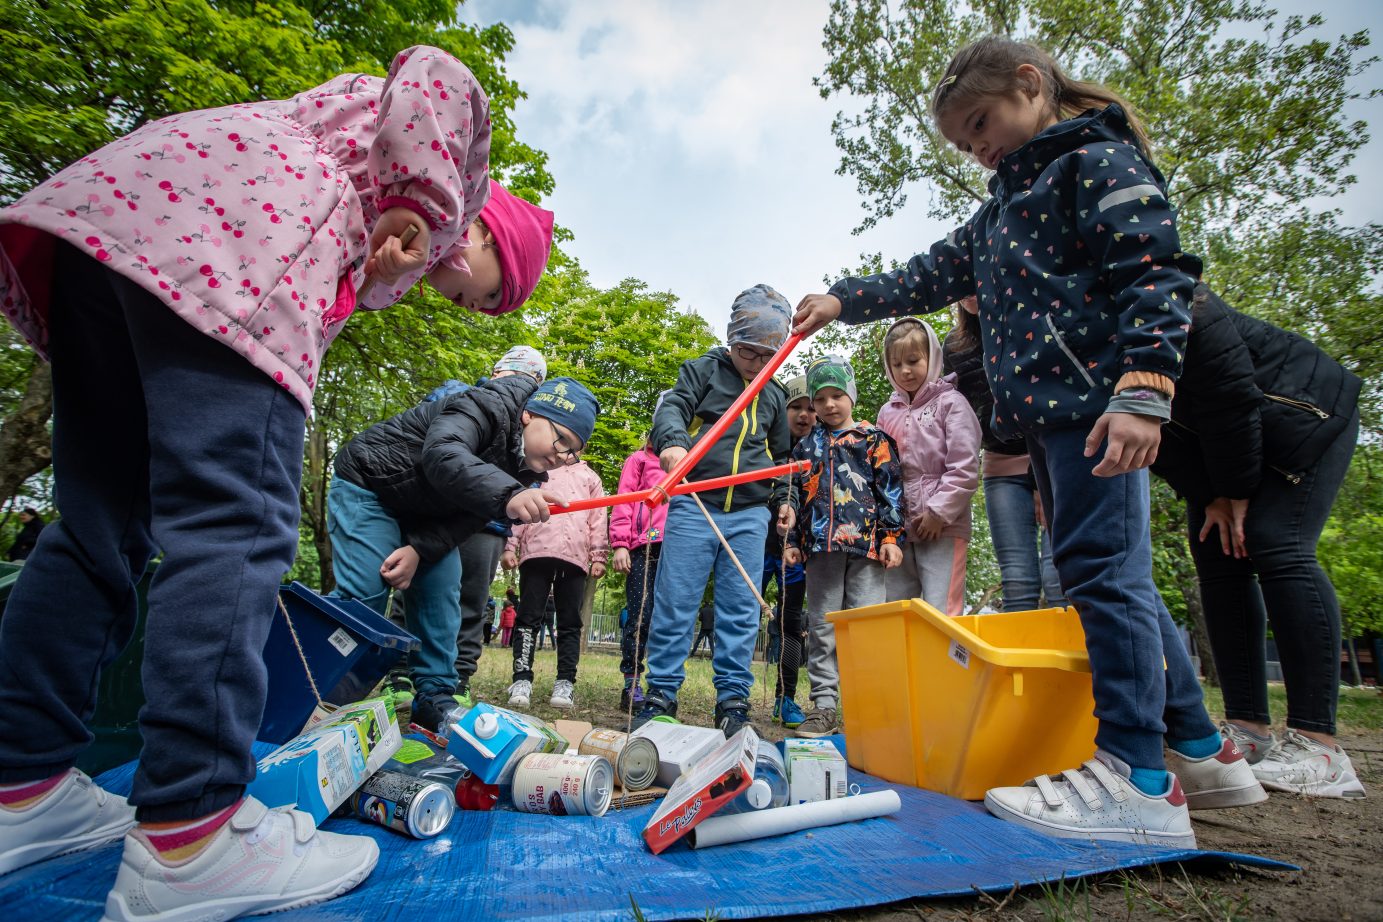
{"x": 413, "y": 806}
{"x": 558, "y": 784}
{"x": 635, "y": 758}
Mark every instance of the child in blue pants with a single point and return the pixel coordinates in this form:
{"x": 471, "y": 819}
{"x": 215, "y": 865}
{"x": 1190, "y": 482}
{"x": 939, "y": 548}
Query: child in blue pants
{"x": 410, "y": 489}
{"x": 1083, "y": 292}
{"x": 705, "y": 389}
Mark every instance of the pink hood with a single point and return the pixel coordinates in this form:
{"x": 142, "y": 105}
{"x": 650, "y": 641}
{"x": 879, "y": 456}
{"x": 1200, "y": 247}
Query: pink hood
{"x": 576, "y": 537}
{"x": 633, "y": 525}
{"x": 938, "y": 439}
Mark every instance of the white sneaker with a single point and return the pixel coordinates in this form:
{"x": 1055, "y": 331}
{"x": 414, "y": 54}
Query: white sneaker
{"x": 562, "y": 692}
{"x": 261, "y": 860}
{"x": 520, "y": 693}
{"x": 1253, "y": 747}
{"x": 76, "y": 814}
{"x": 1096, "y": 801}
{"x": 1224, "y": 779}
{"x": 1300, "y": 765}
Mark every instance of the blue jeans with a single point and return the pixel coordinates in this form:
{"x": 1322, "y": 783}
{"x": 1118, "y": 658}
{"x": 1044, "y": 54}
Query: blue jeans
{"x": 1012, "y": 512}
{"x": 363, "y": 533}
{"x": 691, "y": 553}
{"x": 163, "y": 439}
{"x": 1103, "y": 551}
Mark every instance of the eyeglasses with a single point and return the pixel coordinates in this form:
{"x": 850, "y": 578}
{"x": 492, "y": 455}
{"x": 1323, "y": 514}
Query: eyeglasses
{"x": 567, "y": 455}
{"x": 748, "y": 354}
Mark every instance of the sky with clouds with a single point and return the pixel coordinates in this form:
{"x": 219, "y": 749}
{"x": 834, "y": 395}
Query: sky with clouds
{"x": 691, "y": 150}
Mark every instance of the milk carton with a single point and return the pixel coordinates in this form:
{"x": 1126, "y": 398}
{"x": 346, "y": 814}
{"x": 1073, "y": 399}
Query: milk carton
{"x": 490, "y": 741}
{"x": 816, "y": 771}
{"x": 320, "y": 769}
{"x": 679, "y": 746}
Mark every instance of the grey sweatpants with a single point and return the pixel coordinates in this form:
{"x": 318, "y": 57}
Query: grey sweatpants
{"x": 933, "y": 571}
{"x": 835, "y": 582}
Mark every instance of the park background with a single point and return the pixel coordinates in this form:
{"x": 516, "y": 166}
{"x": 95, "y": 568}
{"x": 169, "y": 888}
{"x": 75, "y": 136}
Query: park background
{"x": 693, "y": 149}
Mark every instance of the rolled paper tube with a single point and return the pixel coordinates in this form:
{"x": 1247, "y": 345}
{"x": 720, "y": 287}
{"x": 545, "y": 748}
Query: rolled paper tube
{"x": 742, "y": 827}
{"x": 675, "y": 476}
{"x": 696, "y": 486}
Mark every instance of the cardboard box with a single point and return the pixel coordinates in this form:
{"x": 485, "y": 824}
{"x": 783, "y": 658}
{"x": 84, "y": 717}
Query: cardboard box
{"x": 490, "y": 741}
{"x": 679, "y": 747}
{"x": 320, "y": 769}
{"x": 816, "y": 771}
{"x": 703, "y": 789}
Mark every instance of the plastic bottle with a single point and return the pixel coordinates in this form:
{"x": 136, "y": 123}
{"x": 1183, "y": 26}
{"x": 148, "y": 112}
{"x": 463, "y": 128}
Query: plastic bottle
{"x": 768, "y": 789}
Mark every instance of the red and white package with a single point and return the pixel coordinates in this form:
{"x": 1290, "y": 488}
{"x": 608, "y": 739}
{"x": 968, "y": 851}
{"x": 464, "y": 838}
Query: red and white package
{"x": 703, "y": 789}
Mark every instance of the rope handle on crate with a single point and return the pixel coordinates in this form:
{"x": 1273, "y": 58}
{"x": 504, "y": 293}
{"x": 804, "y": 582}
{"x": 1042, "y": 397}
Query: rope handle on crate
{"x": 293, "y": 632}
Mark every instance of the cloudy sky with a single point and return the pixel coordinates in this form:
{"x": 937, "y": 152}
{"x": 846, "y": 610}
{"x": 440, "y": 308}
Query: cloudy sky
{"x": 692, "y": 151}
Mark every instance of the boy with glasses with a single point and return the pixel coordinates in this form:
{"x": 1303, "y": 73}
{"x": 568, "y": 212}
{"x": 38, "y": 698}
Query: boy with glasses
{"x": 759, "y": 321}
{"x": 410, "y": 489}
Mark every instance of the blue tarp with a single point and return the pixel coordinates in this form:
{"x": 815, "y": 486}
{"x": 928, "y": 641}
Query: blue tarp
{"x": 514, "y": 866}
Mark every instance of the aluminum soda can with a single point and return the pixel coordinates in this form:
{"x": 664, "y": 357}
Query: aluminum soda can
{"x": 635, "y": 759}
{"x": 413, "y": 806}
{"x": 563, "y": 785}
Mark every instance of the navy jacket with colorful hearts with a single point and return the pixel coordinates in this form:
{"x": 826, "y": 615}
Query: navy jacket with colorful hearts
{"x": 1077, "y": 267}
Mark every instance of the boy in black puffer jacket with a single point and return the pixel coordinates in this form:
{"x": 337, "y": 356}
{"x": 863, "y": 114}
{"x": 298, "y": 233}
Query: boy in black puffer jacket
{"x": 410, "y": 489}
{"x": 1263, "y": 428}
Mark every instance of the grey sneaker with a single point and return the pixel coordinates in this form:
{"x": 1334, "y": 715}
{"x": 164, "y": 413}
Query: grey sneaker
{"x": 1300, "y": 765}
{"x": 562, "y": 692}
{"x": 520, "y": 693}
{"x": 820, "y": 722}
{"x": 1253, "y": 746}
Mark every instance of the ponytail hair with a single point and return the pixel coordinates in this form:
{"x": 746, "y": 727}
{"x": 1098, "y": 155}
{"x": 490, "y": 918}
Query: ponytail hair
{"x": 989, "y": 67}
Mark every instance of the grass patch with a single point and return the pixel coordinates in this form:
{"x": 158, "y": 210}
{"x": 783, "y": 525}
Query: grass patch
{"x": 1360, "y": 709}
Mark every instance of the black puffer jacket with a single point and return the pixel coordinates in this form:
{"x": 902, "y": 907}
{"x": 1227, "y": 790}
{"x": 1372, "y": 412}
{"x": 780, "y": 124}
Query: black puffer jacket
{"x": 1253, "y": 401}
{"x": 447, "y": 467}
{"x": 973, "y": 383}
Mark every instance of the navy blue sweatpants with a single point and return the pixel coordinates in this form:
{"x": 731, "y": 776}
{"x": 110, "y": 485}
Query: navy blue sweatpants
{"x": 163, "y": 440}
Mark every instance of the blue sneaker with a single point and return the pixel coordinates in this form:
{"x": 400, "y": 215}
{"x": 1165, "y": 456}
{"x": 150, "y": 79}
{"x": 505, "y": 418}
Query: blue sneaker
{"x": 787, "y": 713}
{"x": 655, "y": 706}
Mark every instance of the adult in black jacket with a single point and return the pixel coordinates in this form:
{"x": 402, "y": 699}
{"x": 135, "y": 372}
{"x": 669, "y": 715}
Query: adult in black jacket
{"x": 1263, "y": 428}
{"x": 410, "y": 489}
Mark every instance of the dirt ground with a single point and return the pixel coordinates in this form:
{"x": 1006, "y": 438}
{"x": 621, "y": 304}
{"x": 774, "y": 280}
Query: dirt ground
{"x": 1337, "y": 844}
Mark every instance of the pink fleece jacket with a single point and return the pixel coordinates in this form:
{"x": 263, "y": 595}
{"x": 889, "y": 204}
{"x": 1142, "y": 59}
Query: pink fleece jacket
{"x": 633, "y": 525}
{"x": 576, "y": 537}
{"x": 938, "y": 438}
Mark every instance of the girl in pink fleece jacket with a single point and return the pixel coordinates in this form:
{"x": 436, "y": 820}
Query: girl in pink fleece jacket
{"x": 636, "y": 534}
{"x": 554, "y": 557}
{"x": 185, "y": 281}
{"x": 938, "y": 438}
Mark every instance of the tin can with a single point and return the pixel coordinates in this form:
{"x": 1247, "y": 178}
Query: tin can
{"x": 634, "y": 758}
{"x": 413, "y": 806}
{"x": 563, "y": 785}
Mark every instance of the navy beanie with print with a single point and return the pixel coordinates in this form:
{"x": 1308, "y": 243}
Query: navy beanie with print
{"x": 566, "y": 402}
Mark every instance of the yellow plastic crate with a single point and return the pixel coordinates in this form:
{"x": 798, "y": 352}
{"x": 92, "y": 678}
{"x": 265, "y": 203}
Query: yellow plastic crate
{"x": 961, "y": 705}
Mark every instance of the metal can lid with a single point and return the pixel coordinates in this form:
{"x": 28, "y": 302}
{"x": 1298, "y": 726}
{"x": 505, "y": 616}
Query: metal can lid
{"x": 638, "y": 764}
{"x": 601, "y": 787}
{"x": 431, "y": 811}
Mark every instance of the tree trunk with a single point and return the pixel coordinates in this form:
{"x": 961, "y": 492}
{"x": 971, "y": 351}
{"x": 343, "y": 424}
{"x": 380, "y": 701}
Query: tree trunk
{"x": 314, "y": 502}
{"x": 1354, "y": 663}
{"x": 25, "y": 445}
{"x": 1190, "y": 591}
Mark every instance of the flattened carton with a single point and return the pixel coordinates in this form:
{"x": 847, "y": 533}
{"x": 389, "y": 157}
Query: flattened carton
{"x": 321, "y": 768}
{"x": 816, "y": 771}
{"x": 703, "y": 789}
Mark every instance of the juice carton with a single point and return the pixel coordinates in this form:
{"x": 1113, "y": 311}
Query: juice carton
{"x": 679, "y": 746}
{"x": 318, "y": 770}
{"x": 703, "y": 789}
{"x": 816, "y": 771}
{"x": 490, "y": 741}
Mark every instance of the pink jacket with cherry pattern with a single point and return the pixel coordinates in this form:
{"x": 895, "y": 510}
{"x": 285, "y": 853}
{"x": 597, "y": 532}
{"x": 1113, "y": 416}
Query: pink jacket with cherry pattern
{"x": 252, "y": 221}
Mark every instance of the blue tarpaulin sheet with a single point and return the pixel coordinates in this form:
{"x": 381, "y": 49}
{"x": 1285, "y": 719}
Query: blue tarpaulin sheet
{"x": 505, "y": 865}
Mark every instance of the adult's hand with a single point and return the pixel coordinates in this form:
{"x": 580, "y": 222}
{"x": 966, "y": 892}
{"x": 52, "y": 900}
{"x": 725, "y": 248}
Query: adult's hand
{"x": 1133, "y": 440}
{"x": 814, "y": 312}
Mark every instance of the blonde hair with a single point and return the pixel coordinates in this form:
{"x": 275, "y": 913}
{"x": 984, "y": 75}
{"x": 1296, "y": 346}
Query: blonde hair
{"x": 901, "y": 332}
{"x": 989, "y": 67}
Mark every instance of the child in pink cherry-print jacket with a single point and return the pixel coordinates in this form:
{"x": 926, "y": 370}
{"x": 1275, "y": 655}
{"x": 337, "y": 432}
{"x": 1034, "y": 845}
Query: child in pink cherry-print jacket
{"x": 185, "y": 281}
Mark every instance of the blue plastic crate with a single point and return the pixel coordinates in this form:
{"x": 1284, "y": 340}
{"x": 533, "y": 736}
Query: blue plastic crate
{"x": 348, "y": 646}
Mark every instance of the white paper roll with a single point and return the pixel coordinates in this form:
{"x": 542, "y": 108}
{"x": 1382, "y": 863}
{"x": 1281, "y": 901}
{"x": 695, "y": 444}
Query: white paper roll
{"x": 741, "y": 827}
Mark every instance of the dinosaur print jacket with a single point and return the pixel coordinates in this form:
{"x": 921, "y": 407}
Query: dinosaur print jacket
{"x": 851, "y": 499}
